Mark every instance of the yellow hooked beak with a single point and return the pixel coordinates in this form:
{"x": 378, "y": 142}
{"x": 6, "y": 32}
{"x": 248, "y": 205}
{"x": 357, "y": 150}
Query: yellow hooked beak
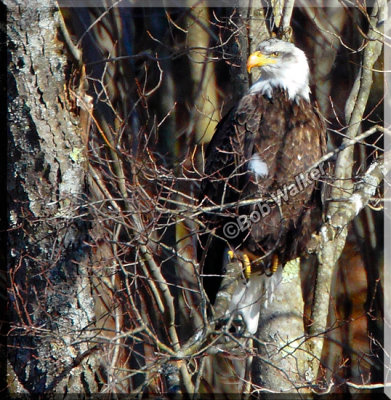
{"x": 257, "y": 59}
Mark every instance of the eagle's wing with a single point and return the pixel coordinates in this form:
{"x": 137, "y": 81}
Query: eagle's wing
{"x": 225, "y": 180}
{"x": 230, "y": 150}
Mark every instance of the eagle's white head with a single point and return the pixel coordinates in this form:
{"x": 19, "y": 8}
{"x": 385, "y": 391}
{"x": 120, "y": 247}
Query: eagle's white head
{"x": 283, "y": 66}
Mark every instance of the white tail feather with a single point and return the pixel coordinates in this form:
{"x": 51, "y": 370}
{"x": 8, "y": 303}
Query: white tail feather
{"x": 248, "y": 297}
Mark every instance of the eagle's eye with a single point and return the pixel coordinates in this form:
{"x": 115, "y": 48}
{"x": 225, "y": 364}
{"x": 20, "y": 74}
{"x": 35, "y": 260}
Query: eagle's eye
{"x": 275, "y": 54}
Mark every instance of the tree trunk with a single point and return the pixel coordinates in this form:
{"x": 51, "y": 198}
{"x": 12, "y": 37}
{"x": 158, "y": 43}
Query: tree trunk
{"x": 281, "y": 363}
{"x": 50, "y": 299}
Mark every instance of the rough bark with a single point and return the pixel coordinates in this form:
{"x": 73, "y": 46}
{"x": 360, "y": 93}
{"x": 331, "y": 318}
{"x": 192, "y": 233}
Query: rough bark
{"x": 49, "y": 301}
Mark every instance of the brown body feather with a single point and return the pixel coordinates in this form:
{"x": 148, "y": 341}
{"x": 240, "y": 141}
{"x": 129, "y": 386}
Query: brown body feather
{"x": 289, "y": 136}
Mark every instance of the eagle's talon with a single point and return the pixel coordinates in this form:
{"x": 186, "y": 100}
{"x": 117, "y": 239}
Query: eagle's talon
{"x": 250, "y": 264}
{"x": 244, "y": 259}
{"x": 247, "y": 266}
{"x": 275, "y": 263}
{"x": 274, "y": 267}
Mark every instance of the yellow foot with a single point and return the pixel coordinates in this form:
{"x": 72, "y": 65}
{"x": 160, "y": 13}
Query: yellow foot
{"x": 247, "y": 266}
{"x": 248, "y": 258}
{"x": 275, "y": 262}
{"x": 244, "y": 258}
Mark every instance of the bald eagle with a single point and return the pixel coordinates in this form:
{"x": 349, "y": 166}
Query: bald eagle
{"x": 258, "y": 179}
